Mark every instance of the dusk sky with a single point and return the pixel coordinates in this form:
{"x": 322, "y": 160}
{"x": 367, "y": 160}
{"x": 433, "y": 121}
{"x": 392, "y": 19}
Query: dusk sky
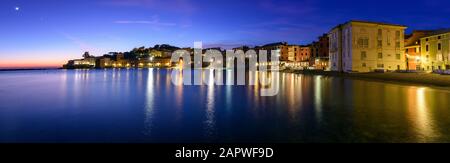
{"x": 42, "y": 33}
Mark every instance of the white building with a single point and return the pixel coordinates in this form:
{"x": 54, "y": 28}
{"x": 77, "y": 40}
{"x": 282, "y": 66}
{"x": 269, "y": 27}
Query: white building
{"x": 361, "y": 46}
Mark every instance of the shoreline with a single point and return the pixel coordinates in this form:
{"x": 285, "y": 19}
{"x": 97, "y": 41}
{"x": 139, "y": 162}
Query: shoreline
{"x": 427, "y": 79}
{"x": 395, "y": 77}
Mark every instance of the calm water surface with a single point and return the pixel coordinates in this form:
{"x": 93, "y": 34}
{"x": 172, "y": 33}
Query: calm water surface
{"x": 144, "y": 106}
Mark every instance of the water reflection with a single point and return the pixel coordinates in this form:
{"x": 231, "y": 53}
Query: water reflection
{"x": 210, "y": 108}
{"x": 145, "y": 106}
{"x": 149, "y": 103}
{"x": 420, "y": 114}
{"x": 318, "y": 97}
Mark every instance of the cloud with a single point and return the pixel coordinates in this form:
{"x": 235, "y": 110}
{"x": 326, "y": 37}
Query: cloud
{"x": 156, "y": 23}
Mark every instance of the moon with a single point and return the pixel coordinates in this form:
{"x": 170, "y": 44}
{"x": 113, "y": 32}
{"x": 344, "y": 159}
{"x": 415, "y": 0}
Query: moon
{"x": 17, "y": 8}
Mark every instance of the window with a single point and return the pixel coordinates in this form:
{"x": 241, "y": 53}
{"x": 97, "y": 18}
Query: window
{"x": 364, "y": 65}
{"x": 439, "y": 37}
{"x": 397, "y": 35}
{"x": 380, "y": 43}
{"x": 397, "y": 44}
{"x": 363, "y": 55}
{"x": 440, "y": 58}
{"x": 398, "y": 56}
{"x": 426, "y": 40}
{"x": 380, "y": 65}
{"x": 380, "y": 33}
{"x": 363, "y": 42}
{"x": 388, "y": 38}
{"x": 439, "y": 46}
{"x": 366, "y": 42}
{"x": 380, "y": 55}
{"x": 427, "y": 48}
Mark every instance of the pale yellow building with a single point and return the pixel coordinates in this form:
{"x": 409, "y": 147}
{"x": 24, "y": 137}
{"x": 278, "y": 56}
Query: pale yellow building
{"x": 362, "y": 46}
{"x": 435, "y": 54}
{"x": 293, "y": 52}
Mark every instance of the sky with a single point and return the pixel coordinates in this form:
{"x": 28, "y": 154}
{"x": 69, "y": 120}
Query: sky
{"x": 47, "y": 33}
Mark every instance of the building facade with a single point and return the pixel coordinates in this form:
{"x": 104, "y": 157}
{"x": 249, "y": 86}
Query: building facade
{"x": 282, "y": 47}
{"x": 435, "y": 52}
{"x": 361, "y": 46}
{"x": 413, "y": 50}
{"x": 293, "y": 53}
{"x": 320, "y": 52}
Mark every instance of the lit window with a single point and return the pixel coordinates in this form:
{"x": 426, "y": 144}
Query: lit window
{"x": 363, "y": 55}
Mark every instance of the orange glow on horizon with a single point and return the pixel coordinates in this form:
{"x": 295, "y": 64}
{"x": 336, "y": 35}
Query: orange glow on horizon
{"x": 31, "y": 64}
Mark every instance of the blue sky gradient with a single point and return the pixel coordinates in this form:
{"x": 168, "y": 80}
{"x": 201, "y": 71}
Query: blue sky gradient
{"x": 48, "y": 32}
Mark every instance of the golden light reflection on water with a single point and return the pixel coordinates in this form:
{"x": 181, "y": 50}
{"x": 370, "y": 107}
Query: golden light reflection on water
{"x": 371, "y": 111}
{"x": 419, "y": 113}
{"x": 318, "y": 97}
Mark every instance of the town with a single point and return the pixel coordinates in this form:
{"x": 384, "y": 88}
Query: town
{"x": 354, "y": 46}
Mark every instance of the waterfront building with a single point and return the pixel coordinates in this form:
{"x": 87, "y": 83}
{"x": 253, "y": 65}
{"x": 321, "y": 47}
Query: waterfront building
{"x": 282, "y": 48}
{"x": 305, "y": 56}
{"x": 362, "y": 46}
{"x": 120, "y": 61}
{"x": 154, "y": 63}
{"x": 320, "y": 52}
{"x": 104, "y": 62}
{"x": 293, "y": 53}
{"x": 435, "y": 52}
{"x": 88, "y": 61}
{"x": 413, "y": 51}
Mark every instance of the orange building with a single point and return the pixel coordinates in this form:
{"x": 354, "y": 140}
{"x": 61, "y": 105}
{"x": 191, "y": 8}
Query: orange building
{"x": 305, "y": 56}
{"x": 320, "y": 52}
{"x": 282, "y": 47}
{"x": 413, "y": 49}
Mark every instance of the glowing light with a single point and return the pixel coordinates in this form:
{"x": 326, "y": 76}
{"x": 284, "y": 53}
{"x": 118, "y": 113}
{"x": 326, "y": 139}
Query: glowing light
{"x": 181, "y": 64}
{"x": 17, "y": 8}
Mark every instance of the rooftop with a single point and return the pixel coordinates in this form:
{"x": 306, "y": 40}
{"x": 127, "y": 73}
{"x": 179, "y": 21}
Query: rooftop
{"x": 439, "y": 31}
{"x": 373, "y": 22}
{"x": 369, "y": 22}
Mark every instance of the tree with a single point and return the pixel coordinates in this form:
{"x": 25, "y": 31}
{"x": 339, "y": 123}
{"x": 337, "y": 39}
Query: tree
{"x": 86, "y": 55}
